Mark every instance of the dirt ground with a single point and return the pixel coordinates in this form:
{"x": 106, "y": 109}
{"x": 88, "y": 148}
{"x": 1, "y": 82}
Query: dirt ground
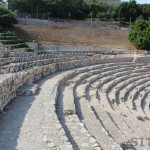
{"x": 103, "y": 39}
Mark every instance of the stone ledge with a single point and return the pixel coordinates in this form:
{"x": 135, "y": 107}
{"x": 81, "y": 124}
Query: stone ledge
{"x": 17, "y": 80}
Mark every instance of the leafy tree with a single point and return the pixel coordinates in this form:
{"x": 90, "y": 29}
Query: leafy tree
{"x": 96, "y": 7}
{"x": 6, "y": 18}
{"x": 60, "y": 8}
{"x": 75, "y": 8}
{"x": 128, "y": 10}
{"x": 140, "y": 34}
{"x": 145, "y": 11}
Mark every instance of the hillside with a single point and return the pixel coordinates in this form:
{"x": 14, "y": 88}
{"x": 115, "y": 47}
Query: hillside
{"x": 54, "y": 35}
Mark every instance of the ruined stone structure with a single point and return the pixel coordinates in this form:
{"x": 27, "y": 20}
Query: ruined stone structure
{"x": 86, "y": 100}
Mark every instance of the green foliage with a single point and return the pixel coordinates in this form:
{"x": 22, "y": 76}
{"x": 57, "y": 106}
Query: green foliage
{"x": 140, "y": 34}
{"x": 78, "y": 9}
{"x": 79, "y": 15}
{"x": 145, "y": 11}
{"x": 103, "y": 15}
{"x": 19, "y": 45}
{"x": 100, "y": 15}
{"x": 96, "y": 7}
{"x": 7, "y": 33}
{"x": 29, "y": 50}
{"x": 1, "y": 29}
{"x": 16, "y": 41}
{"x": 10, "y": 39}
{"x": 127, "y": 10}
{"x": 6, "y": 18}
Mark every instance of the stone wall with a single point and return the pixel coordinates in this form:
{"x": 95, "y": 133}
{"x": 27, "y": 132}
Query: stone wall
{"x": 60, "y": 48}
{"x": 17, "y": 64}
{"x": 9, "y": 86}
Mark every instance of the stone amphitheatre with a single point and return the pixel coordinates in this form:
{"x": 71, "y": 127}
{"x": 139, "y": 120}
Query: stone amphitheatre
{"x": 65, "y": 100}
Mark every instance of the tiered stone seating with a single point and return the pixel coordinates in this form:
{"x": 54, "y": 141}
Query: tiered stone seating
{"x": 17, "y": 61}
{"x": 146, "y": 105}
{"x": 101, "y": 105}
{"x": 87, "y": 111}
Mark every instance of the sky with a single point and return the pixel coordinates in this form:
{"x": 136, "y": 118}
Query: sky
{"x": 138, "y": 1}
{"x": 141, "y": 1}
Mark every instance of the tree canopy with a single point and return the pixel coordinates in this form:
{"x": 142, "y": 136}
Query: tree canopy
{"x": 80, "y": 9}
{"x": 6, "y": 18}
{"x": 140, "y": 34}
{"x": 60, "y": 8}
{"x": 127, "y": 10}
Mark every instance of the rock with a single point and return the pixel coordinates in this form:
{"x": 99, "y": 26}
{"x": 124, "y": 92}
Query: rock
{"x": 64, "y": 138}
{"x": 83, "y": 130}
{"x": 51, "y": 145}
{"x": 28, "y": 93}
{"x": 46, "y": 139}
{"x": 92, "y": 140}
{"x": 66, "y": 147}
{"x": 81, "y": 124}
{"x": 59, "y": 127}
{"x": 88, "y": 135}
{"x": 62, "y": 132}
{"x": 123, "y": 114}
{"x": 140, "y": 118}
{"x": 84, "y": 144}
{"x": 68, "y": 112}
{"x": 97, "y": 148}
{"x": 95, "y": 145}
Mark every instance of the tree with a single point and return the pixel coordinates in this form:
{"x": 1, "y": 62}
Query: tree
{"x": 145, "y": 11}
{"x": 140, "y": 34}
{"x": 127, "y": 10}
{"x": 6, "y": 18}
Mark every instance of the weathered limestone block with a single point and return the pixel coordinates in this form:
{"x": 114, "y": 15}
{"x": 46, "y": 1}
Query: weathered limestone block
{"x": 28, "y": 90}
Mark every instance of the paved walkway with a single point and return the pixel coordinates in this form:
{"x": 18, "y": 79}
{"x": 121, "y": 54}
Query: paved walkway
{"x": 28, "y": 120}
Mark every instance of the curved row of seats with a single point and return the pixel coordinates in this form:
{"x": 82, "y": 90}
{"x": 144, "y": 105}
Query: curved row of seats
{"x": 98, "y": 107}
{"x": 102, "y": 98}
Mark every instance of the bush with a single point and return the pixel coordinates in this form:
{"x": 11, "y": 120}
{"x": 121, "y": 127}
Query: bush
{"x": 29, "y": 50}
{"x": 11, "y": 41}
{"x": 79, "y": 15}
{"x": 8, "y": 38}
{"x": 140, "y": 34}
{"x": 6, "y": 18}
{"x": 19, "y": 45}
{"x": 101, "y": 15}
{"x": 8, "y": 33}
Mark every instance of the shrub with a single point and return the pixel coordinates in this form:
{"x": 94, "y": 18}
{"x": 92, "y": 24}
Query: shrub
{"x": 79, "y": 15}
{"x": 7, "y": 33}
{"x": 7, "y": 18}
{"x": 140, "y": 34}
{"x": 8, "y": 38}
{"x": 29, "y": 50}
{"x": 101, "y": 15}
{"x": 11, "y": 41}
{"x": 20, "y": 45}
